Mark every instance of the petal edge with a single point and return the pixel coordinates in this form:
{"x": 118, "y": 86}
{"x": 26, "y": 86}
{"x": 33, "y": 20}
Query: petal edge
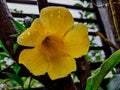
{"x": 56, "y": 19}
{"x": 77, "y": 41}
{"x": 60, "y": 67}
{"x": 34, "y": 34}
{"x": 34, "y": 62}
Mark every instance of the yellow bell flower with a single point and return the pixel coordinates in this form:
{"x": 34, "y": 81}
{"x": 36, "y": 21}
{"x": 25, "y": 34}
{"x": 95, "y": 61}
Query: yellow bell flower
{"x": 56, "y": 41}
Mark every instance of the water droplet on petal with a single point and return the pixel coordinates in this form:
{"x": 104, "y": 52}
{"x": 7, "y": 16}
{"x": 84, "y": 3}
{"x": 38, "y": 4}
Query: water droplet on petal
{"x": 22, "y": 37}
{"x": 28, "y": 33}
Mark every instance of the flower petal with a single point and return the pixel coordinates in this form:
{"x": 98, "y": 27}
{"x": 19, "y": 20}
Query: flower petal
{"x": 32, "y": 35}
{"x": 77, "y": 41}
{"x": 35, "y": 62}
{"x": 60, "y": 67}
{"x": 56, "y": 19}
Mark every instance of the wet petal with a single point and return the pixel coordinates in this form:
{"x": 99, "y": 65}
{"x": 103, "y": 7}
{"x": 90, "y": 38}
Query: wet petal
{"x": 76, "y": 41}
{"x": 34, "y": 61}
{"x": 60, "y": 67}
{"x": 33, "y": 35}
{"x": 57, "y": 19}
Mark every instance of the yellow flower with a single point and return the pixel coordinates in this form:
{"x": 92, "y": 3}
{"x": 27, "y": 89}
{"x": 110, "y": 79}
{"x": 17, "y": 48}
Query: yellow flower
{"x": 56, "y": 41}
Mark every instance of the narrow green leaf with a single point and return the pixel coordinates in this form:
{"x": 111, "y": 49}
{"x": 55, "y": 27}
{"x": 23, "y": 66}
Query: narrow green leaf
{"x": 19, "y": 26}
{"x": 106, "y": 66}
{"x": 114, "y": 83}
{"x": 3, "y": 55}
{"x": 16, "y": 68}
{"x": 15, "y": 46}
{"x": 16, "y": 78}
{"x": 89, "y": 84}
{"x": 3, "y": 47}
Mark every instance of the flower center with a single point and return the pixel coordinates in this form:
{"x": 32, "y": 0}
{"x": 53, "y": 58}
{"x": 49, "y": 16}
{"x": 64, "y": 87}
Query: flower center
{"x": 46, "y": 41}
{"x": 52, "y": 46}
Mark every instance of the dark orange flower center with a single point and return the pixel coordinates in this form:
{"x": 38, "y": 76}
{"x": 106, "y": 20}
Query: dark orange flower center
{"x": 52, "y": 46}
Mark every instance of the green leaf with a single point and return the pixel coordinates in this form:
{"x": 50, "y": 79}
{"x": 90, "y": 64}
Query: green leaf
{"x": 100, "y": 88}
{"x": 78, "y": 5}
{"x": 15, "y": 46}
{"x": 16, "y": 68}
{"x": 89, "y": 83}
{"x": 16, "y": 78}
{"x": 87, "y": 13}
{"x": 3, "y": 47}
{"x": 3, "y": 55}
{"x": 92, "y": 44}
{"x": 114, "y": 83}
{"x": 34, "y": 17}
{"x": 106, "y": 66}
{"x": 19, "y": 26}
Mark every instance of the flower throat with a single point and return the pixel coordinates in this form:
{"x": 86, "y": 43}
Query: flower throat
{"x": 52, "y": 46}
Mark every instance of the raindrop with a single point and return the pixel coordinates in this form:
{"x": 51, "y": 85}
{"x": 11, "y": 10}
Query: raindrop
{"x": 22, "y": 37}
{"x": 28, "y": 33}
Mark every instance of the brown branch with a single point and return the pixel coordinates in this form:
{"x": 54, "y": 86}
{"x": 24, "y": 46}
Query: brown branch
{"x": 6, "y": 27}
{"x": 107, "y": 41}
{"x": 59, "y": 84}
{"x": 83, "y": 72}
